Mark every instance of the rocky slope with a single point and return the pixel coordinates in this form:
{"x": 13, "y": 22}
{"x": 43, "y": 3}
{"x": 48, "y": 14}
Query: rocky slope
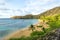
{"x": 54, "y": 35}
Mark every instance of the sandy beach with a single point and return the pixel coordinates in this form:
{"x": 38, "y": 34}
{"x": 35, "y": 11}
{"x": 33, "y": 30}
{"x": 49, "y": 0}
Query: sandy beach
{"x": 25, "y": 31}
{"x": 19, "y": 33}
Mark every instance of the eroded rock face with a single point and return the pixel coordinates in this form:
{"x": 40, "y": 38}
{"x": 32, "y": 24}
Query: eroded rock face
{"x": 52, "y": 35}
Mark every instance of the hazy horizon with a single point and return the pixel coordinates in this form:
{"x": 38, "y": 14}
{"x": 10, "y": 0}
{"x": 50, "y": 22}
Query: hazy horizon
{"x": 10, "y": 8}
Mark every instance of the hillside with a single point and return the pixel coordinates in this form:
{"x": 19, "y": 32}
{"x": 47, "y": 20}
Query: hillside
{"x": 28, "y": 16}
{"x": 53, "y": 11}
{"x": 42, "y": 30}
{"x": 49, "y": 30}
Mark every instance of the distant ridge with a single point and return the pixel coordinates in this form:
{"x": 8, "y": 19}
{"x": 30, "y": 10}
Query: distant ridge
{"x": 51, "y": 12}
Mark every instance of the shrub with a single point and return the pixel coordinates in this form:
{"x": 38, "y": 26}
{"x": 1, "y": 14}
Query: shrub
{"x": 37, "y": 33}
{"x": 39, "y": 26}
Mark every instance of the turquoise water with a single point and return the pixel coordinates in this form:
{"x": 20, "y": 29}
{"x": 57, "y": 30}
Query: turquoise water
{"x": 9, "y": 25}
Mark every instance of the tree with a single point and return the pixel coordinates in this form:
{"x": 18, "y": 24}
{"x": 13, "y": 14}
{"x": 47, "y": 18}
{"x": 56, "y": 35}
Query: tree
{"x": 32, "y": 27}
{"x": 43, "y": 29}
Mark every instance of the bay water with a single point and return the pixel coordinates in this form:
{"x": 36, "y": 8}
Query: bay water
{"x": 8, "y": 25}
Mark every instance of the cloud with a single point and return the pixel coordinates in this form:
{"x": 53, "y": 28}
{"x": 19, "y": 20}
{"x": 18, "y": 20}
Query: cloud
{"x": 38, "y": 6}
{"x": 2, "y": 2}
{"x": 22, "y": 7}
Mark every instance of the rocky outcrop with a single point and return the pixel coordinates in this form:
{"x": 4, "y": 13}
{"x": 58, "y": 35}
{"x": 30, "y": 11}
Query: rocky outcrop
{"x": 55, "y": 35}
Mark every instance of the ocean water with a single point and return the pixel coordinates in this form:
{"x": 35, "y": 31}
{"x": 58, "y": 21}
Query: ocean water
{"x": 9, "y": 25}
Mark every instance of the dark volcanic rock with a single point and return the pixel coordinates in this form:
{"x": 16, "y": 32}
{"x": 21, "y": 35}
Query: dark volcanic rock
{"x": 52, "y": 35}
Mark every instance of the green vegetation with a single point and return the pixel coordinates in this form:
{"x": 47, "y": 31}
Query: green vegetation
{"x": 39, "y": 26}
{"x": 37, "y": 33}
{"x": 55, "y": 22}
{"x": 34, "y": 36}
{"x": 52, "y": 20}
{"x": 32, "y": 27}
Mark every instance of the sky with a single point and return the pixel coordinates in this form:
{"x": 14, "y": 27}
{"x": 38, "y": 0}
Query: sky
{"x": 10, "y": 8}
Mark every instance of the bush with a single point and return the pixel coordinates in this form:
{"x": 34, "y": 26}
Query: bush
{"x": 37, "y": 33}
{"x": 39, "y": 26}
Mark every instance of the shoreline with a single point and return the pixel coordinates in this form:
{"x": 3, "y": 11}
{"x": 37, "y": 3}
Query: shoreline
{"x": 15, "y": 32}
{"x": 25, "y": 31}
{"x": 18, "y": 31}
